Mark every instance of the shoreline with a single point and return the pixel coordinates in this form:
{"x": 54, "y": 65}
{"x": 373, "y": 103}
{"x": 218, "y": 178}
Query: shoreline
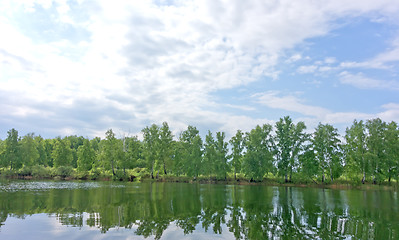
{"x": 339, "y": 185}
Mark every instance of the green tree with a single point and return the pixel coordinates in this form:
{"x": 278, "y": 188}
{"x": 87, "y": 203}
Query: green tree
{"x": 391, "y": 165}
{"x": 237, "y": 147}
{"x": 192, "y": 151}
{"x": 132, "y": 147}
{"x": 2, "y": 152}
{"x": 150, "y": 146}
{"x": 40, "y": 146}
{"x": 356, "y": 150}
{"x": 376, "y": 147}
{"x": 165, "y": 147}
{"x": 309, "y": 166}
{"x": 178, "y": 158}
{"x": 326, "y": 147}
{"x": 48, "y": 150}
{"x": 209, "y": 155}
{"x": 112, "y": 151}
{"x": 62, "y": 153}
{"x": 75, "y": 142}
{"x": 86, "y": 156}
{"x": 12, "y": 153}
{"x": 258, "y": 159}
{"x": 289, "y": 143}
{"x": 221, "y": 165}
{"x": 29, "y": 152}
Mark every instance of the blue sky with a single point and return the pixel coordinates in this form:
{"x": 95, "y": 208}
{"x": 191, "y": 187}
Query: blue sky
{"x": 82, "y": 67}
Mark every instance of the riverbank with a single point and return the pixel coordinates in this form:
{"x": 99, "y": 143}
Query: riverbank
{"x": 142, "y": 175}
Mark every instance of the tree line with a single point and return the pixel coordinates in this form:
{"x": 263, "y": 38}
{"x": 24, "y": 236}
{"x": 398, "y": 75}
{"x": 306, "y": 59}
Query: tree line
{"x": 368, "y": 152}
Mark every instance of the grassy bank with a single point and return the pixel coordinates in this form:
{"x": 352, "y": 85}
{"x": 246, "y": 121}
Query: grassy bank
{"x": 143, "y": 175}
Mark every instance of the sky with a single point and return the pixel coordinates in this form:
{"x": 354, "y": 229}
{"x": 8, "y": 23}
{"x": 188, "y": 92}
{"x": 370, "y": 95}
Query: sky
{"x": 81, "y": 67}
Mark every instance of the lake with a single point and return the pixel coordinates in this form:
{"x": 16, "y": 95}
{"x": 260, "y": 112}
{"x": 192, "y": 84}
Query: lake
{"x": 124, "y": 210}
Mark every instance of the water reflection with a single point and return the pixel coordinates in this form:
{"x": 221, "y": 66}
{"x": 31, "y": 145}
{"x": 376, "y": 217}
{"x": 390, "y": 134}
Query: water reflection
{"x": 245, "y": 212}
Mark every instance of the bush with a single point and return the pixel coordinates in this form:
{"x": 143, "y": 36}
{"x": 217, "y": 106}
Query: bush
{"x": 141, "y": 173}
{"x": 94, "y": 173}
{"x": 8, "y": 173}
{"x": 120, "y": 176}
{"x": 41, "y": 172}
{"x": 64, "y": 171}
{"x": 81, "y": 175}
{"x": 25, "y": 171}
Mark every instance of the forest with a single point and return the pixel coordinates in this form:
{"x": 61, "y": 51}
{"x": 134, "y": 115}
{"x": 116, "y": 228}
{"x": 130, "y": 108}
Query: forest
{"x": 284, "y": 153}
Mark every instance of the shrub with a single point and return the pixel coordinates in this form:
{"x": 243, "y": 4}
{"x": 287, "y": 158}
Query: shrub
{"x": 25, "y": 171}
{"x": 64, "y": 171}
{"x": 41, "y": 172}
{"x": 8, "y": 173}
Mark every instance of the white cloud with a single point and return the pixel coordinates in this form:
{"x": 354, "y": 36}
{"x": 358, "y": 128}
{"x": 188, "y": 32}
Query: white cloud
{"x": 363, "y": 82}
{"x": 330, "y": 60}
{"x": 294, "y": 58}
{"x": 313, "y": 114}
{"x": 128, "y": 63}
{"x": 307, "y": 69}
{"x": 289, "y": 103}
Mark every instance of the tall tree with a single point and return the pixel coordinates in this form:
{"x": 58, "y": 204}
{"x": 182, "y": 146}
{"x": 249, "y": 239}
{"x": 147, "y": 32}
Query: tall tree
{"x": 75, "y": 143}
{"x": 192, "y": 145}
{"x": 12, "y": 156}
{"x": 165, "y": 147}
{"x": 326, "y": 146}
{"x": 221, "y": 165}
{"x": 391, "y": 166}
{"x": 289, "y": 143}
{"x": 258, "y": 159}
{"x": 62, "y": 153}
{"x": 133, "y": 151}
{"x": 376, "y": 144}
{"x": 150, "y": 146}
{"x": 29, "y": 152}
{"x": 48, "y": 150}
{"x": 356, "y": 150}
{"x": 112, "y": 150}
{"x": 237, "y": 148}
{"x": 2, "y": 152}
{"x": 86, "y": 156}
{"x": 309, "y": 166}
{"x": 40, "y": 146}
{"x": 209, "y": 155}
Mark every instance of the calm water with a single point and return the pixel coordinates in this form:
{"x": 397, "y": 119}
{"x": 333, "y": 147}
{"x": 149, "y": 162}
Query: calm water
{"x": 109, "y": 210}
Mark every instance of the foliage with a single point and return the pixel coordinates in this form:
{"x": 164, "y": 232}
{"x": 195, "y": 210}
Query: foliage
{"x": 370, "y": 152}
{"x": 289, "y": 143}
{"x": 237, "y": 145}
{"x": 258, "y": 159}
{"x": 326, "y": 148}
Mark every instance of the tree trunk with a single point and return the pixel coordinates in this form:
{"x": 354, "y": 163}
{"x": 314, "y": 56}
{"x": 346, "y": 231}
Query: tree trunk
{"x": 364, "y": 177}
{"x": 286, "y": 178}
{"x": 164, "y": 168}
{"x": 331, "y": 175}
{"x": 112, "y": 165}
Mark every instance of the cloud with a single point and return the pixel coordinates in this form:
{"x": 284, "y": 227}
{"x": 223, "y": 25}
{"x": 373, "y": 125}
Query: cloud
{"x": 289, "y": 103}
{"x": 363, "y": 82}
{"x": 294, "y": 58}
{"x": 310, "y": 113}
{"x": 307, "y": 69}
{"x": 86, "y": 66}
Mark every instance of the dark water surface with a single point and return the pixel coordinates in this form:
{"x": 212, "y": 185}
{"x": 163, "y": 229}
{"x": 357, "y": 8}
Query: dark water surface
{"x": 109, "y": 210}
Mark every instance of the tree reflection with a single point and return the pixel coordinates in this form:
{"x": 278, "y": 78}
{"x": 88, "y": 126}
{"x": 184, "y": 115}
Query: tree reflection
{"x": 247, "y": 212}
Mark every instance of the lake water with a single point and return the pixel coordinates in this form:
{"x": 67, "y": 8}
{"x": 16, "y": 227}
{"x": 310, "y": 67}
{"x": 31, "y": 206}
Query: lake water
{"x": 113, "y": 210}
